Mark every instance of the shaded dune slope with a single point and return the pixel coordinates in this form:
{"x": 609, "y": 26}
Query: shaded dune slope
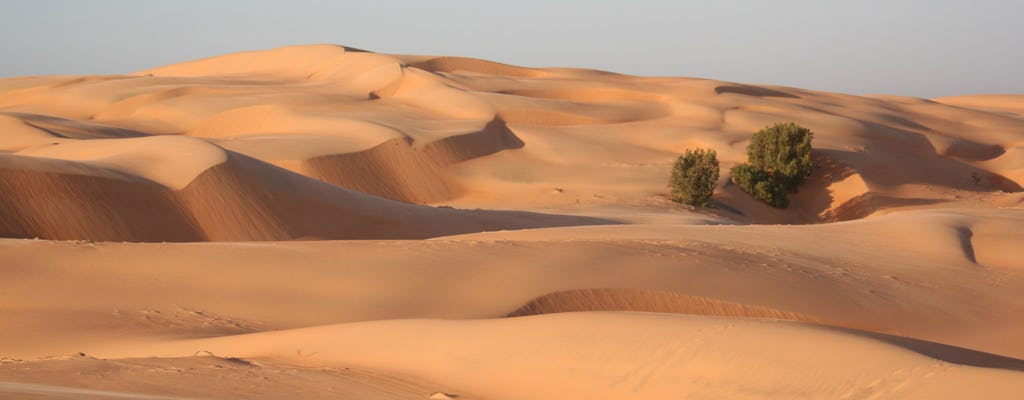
{"x": 239, "y": 199}
{"x": 87, "y": 203}
{"x": 398, "y": 171}
{"x": 471, "y": 65}
{"x": 647, "y": 300}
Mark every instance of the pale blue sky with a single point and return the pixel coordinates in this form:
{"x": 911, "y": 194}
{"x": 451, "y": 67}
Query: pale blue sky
{"x": 922, "y": 48}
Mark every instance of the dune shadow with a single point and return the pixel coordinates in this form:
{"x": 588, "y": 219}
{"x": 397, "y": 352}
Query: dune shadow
{"x": 255, "y": 195}
{"x": 754, "y": 91}
{"x": 74, "y": 129}
{"x": 896, "y": 156}
{"x": 473, "y": 65}
{"x": 945, "y": 352}
{"x": 242, "y": 199}
{"x": 965, "y": 234}
{"x": 868, "y": 203}
{"x": 647, "y": 300}
{"x": 399, "y": 170}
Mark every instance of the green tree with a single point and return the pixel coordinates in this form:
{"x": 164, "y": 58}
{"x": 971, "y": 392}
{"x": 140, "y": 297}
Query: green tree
{"x": 694, "y": 176}
{"x": 756, "y": 182}
{"x": 778, "y": 161}
{"x": 784, "y": 152}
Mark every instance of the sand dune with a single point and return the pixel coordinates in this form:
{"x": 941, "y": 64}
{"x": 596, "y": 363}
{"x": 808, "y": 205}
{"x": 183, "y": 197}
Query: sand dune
{"x": 168, "y": 188}
{"x": 599, "y": 356}
{"x": 202, "y": 376}
{"x": 908, "y": 274}
{"x": 595, "y": 355}
{"x": 305, "y": 108}
{"x": 1012, "y": 105}
{"x": 646, "y": 301}
{"x": 542, "y": 193}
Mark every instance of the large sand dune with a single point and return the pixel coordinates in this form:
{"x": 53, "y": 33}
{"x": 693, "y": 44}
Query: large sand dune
{"x": 548, "y": 262}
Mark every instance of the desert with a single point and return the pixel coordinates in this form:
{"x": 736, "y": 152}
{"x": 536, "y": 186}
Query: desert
{"x": 322, "y": 221}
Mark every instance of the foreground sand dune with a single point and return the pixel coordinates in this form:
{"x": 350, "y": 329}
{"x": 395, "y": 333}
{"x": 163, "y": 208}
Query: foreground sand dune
{"x": 594, "y": 355}
{"x": 553, "y": 265}
{"x": 947, "y": 321}
{"x": 906, "y": 274}
{"x": 611, "y": 356}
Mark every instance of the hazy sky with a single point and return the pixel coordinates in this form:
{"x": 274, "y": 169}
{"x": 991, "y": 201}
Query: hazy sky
{"x": 922, "y": 48}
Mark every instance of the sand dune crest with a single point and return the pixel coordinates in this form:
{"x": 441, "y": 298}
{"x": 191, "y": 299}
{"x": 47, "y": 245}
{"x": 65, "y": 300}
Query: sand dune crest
{"x": 647, "y": 301}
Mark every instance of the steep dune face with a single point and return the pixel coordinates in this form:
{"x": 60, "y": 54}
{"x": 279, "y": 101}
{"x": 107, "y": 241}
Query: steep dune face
{"x": 396, "y": 170}
{"x": 606, "y": 299}
{"x": 176, "y": 188}
{"x": 475, "y": 133}
{"x": 62, "y": 200}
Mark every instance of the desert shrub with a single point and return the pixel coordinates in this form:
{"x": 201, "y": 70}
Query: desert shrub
{"x": 757, "y": 183}
{"x": 694, "y": 176}
{"x": 784, "y": 152}
{"x": 778, "y": 161}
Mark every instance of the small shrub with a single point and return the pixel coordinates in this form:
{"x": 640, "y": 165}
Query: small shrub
{"x": 784, "y": 152}
{"x": 694, "y": 176}
{"x": 778, "y": 161}
{"x": 756, "y": 182}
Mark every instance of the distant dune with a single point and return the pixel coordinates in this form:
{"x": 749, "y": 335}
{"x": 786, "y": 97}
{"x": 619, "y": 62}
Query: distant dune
{"x": 409, "y": 227}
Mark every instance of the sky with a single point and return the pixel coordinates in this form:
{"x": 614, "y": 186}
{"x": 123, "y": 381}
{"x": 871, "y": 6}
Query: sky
{"x": 923, "y": 48}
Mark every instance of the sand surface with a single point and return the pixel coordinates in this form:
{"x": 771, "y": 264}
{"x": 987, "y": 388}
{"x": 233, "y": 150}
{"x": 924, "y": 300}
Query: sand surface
{"x": 326, "y": 222}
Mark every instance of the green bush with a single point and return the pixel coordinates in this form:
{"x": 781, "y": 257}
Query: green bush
{"x": 756, "y": 182}
{"x": 778, "y": 161}
{"x": 784, "y": 151}
{"x": 694, "y": 176}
